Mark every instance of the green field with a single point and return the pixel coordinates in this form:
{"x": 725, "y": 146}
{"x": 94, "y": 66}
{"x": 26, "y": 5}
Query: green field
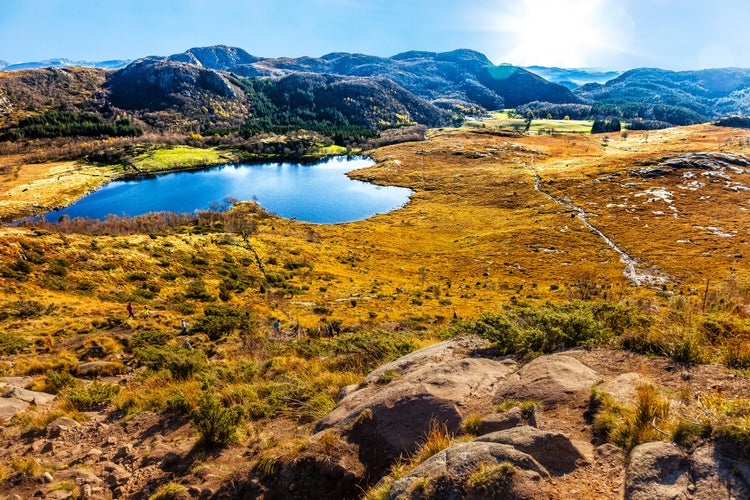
{"x": 502, "y": 120}
{"x": 177, "y": 157}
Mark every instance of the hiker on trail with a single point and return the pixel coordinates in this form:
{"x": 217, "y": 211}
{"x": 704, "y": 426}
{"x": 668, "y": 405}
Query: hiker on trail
{"x": 145, "y": 313}
{"x": 276, "y": 326}
{"x": 184, "y": 327}
{"x": 130, "y": 311}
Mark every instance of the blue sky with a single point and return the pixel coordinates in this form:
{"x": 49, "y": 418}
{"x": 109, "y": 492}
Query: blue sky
{"x": 617, "y": 34}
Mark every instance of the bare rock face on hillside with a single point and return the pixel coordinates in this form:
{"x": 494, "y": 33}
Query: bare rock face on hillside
{"x": 155, "y": 83}
{"x": 396, "y": 403}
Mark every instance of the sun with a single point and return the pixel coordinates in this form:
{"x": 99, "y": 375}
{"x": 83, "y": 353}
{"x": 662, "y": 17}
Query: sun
{"x": 564, "y": 33}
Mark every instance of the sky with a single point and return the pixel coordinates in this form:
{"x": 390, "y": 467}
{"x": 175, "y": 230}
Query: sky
{"x": 609, "y": 34}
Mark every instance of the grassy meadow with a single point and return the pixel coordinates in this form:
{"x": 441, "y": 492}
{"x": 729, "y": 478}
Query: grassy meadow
{"x": 504, "y": 120}
{"x": 480, "y": 240}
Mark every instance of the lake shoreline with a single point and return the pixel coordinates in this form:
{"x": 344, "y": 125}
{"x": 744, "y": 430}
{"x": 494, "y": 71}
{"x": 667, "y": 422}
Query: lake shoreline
{"x": 47, "y": 189}
{"x": 326, "y": 196}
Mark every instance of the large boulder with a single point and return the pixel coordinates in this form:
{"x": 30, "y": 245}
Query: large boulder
{"x": 447, "y": 473}
{"x": 392, "y": 410}
{"x": 658, "y": 470}
{"x": 15, "y": 399}
{"x": 548, "y": 379}
{"x": 554, "y": 450}
{"x": 717, "y": 474}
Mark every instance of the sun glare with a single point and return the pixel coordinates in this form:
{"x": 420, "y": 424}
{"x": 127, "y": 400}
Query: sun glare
{"x": 565, "y": 33}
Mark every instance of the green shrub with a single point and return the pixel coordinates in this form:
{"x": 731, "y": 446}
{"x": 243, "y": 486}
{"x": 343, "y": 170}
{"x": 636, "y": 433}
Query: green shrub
{"x": 219, "y": 321}
{"x": 91, "y": 397}
{"x": 217, "y": 424}
{"x": 136, "y": 276}
{"x": 527, "y": 331}
{"x": 362, "y": 352}
{"x": 12, "y": 344}
{"x": 197, "y": 290}
{"x": 294, "y": 264}
{"x": 57, "y": 381}
{"x": 146, "y": 338}
{"x": 169, "y": 276}
{"x": 58, "y": 267}
{"x": 25, "y": 309}
{"x": 191, "y": 273}
{"x": 18, "y": 269}
{"x": 181, "y": 363}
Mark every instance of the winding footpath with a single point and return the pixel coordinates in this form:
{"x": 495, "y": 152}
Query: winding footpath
{"x": 631, "y": 271}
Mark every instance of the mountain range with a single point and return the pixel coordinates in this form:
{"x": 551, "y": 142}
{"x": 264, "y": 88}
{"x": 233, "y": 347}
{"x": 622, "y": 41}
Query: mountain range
{"x": 64, "y": 63}
{"x": 220, "y": 89}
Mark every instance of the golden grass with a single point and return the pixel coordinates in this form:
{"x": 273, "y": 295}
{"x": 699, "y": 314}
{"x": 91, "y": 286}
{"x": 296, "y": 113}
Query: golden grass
{"x": 475, "y": 237}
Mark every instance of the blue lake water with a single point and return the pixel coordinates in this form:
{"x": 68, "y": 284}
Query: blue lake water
{"x": 319, "y": 193}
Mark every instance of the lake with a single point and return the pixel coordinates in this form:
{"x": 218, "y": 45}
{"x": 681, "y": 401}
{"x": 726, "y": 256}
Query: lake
{"x": 319, "y": 193}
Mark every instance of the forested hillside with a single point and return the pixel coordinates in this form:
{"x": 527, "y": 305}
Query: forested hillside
{"x": 225, "y": 90}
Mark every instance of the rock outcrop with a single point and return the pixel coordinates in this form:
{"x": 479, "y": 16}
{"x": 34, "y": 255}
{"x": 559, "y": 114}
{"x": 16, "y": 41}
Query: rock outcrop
{"x": 16, "y": 399}
{"x": 664, "y": 470}
{"x": 397, "y": 402}
{"x": 549, "y": 379}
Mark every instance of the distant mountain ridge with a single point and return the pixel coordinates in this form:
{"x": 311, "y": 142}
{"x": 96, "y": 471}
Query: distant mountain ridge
{"x": 65, "y": 63}
{"x": 463, "y": 75}
{"x": 222, "y": 89}
{"x": 685, "y": 96}
{"x": 217, "y": 87}
{"x": 573, "y": 78}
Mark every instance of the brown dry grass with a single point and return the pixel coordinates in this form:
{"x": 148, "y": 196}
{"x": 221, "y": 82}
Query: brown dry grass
{"x": 475, "y": 235}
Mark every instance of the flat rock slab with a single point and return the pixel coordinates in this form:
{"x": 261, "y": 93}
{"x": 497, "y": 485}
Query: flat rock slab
{"x": 31, "y": 397}
{"x": 458, "y": 348}
{"x": 623, "y": 388}
{"x": 9, "y": 407}
{"x": 15, "y": 399}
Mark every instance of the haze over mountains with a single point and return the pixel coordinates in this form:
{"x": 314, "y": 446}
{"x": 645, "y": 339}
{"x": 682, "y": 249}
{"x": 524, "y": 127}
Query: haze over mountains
{"x": 220, "y": 88}
{"x": 64, "y": 63}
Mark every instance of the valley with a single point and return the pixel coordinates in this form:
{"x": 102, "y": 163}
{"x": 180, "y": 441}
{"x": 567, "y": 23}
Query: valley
{"x": 553, "y": 313}
{"x": 500, "y": 223}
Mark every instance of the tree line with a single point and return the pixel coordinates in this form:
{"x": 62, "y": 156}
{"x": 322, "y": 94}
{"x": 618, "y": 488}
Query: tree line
{"x": 60, "y": 123}
{"x": 641, "y": 115}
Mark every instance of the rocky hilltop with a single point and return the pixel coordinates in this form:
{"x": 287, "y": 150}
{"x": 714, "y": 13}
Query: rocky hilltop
{"x": 463, "y": 75}
{"x": 206, "y": 89}
{"x": 510, "y": 430}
